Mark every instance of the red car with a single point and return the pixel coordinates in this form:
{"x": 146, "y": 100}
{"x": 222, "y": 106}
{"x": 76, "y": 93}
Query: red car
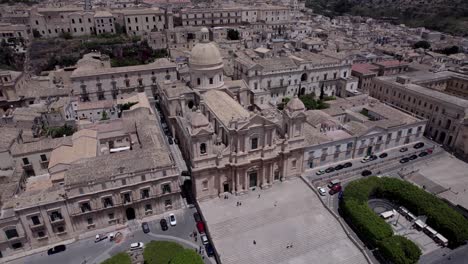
{"x": 201, "y": 227}
{"x": 335, "y": 189}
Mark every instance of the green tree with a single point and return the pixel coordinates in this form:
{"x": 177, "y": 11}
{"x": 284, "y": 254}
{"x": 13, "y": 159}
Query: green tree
{"x": 399, "y": 250}
{"x": 64, "y": 130}
{"x": 187, "y": 256}
{"x": 232, "y": 34}
{"x": 422, "y": 44}
{"x": 104, "y": 115}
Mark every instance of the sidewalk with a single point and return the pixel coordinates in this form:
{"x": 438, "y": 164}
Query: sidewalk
{"x": 82, "y": 236}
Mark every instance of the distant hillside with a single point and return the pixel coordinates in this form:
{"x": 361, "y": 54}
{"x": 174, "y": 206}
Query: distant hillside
{"x": 444, "y": 15}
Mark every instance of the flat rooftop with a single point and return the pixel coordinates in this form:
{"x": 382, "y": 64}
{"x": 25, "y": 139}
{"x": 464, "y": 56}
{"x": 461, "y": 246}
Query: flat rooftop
{"x": 298, "y": 219}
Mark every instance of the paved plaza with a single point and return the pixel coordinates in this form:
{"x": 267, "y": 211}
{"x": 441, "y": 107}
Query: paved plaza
{"x": 286, "y": 214}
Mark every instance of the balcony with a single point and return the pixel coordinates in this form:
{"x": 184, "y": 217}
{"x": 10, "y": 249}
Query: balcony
{"x": 28, "y": 166}
{"x": 57, "y": 220}
{"x": 36, "y": 226}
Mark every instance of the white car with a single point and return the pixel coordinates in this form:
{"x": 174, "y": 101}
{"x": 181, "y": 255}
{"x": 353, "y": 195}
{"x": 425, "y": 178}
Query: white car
{"x": 366, "y": 159}
{"x": 204, "y": 239}
{"x": 172, "y": 220}
{"x": 322, "y": 191}
{"x": 320, "y": 172}
{"x": 136, "y": 246}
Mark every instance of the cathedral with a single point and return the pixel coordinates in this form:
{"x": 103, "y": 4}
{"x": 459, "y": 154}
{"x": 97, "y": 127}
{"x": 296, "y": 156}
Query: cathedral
{"x": 231, "y": 145}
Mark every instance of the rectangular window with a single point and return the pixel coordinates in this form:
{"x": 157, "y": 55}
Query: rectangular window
{"x": 205, "y": 185}
{"x": 35, "y": 220}
{"x": 148, "y": 207}
{"x": 90, "y": 221}
{"x": 107, "y": 202}
{"x": 126, "y": 198}
{"x": 168, "y": 203}
{"x": 43, "y": 157}
{"x": 85, "y": 207}
{"x": 25, "y": 161}
{"x": 144, "y": 193}
{"x": 254, "y": 144}
{"x": 111, "y": 216}
{"x": 166, "y": 188}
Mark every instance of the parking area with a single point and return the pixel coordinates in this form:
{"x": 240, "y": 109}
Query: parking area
{"x": 283, "y": 224}
{"x": 448, "y": 172}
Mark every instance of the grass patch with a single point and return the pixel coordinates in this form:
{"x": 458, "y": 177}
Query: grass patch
{"x": 120, "y": 258}
{"x": 161, "y": 252}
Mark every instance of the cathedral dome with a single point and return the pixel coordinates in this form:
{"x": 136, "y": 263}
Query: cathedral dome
{"x": 205, "y": 54}
{"x": 295, "y": 105}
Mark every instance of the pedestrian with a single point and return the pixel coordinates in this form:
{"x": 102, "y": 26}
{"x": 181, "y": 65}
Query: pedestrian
{"x": 237, "y": 203}
{"x": 240, "y": 203}
{"x": 255, "y": 242}
{"x": 275, "y": 203}
{"x": 258, "y": 195}
{"x": 287, "y": 246}
{"x": 291, "y": 245}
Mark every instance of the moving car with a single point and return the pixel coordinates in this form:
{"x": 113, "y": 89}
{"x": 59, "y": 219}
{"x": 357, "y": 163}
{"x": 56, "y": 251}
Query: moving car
{"x": 413, "y": 157}
{"x": 56, "y": 249}
{"x": 403, "y": 149}
{"x": 339, "y": 167}
{"x": 172, "y": 220}
{"x": 383, "y": 155}
{"x": 204, "y": 239}
{"x": 404, "y": 160}
{"x": 422, "y": 154}
{"x": 163, "y": 224}
{"x": 331, "y": 169}
{"x": 145, "y": 227}
{"x": 366, "y": 173}
{"x": 136, "y": 246}
{"x": 209, "y": 250}
{"x": 322, "y": 191}
{"x": 335, "y": 189}
{"x": 333, "y": 183}
{"x": 347, "y": 165}
{"x": 200, "y": 227}
{"x": 320, "y": 172}
{"x": 418, "y": 145}
{"x": 369, "y": 158}
{"x": 197, "y": 217}
{"x": 100, "y": 237}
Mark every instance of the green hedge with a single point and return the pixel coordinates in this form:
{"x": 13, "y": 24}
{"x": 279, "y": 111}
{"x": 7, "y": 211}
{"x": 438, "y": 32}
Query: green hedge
{"x": 399, "y": 250}
{"x": 120, "y": 258}
{"x": 376, "y": 232}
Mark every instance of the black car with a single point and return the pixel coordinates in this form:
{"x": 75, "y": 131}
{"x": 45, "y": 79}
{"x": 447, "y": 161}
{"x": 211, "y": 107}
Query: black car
{"x": 418, "y": 145}
{"x": 56, "y": 249}
{"x": 413, "y": 157}
{"x": 145, "y": 227}
{"x": 209, "y": 250}
{"x": 163, "y": 224}
{"x": 331, "y": 169}
{"x": 366, "y": 173}
{"x": 422, "y": 154}
{"x": 404, "y": 160}
{"x": 197, "y": 217}
{"x": 383, "y": 155}
{"x": 347, "y": 165}
{"x": 339, "y": 167}
{"x": 170, "y": 140}
{"x": 373, "y": 157}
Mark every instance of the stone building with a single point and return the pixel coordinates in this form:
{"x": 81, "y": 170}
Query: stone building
{"x": 142, "y": 21}
{"x": 11, "y": 33}
{"x": 115, "y": 171}
{"x": 10, "y": 83}
{"x": 273, "y": 79}
{"x": 228, "y": 147}
{"x": 438, "y": 97}
{"x": 356, "y": 127}
{"x": 95, "y": 80}
{"x": 51, "y": 22}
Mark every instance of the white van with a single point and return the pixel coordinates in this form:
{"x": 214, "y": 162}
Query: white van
{"x": 333, "y": 183}
{"x": 430, "y": 232}
{"x": 441, "y": 240}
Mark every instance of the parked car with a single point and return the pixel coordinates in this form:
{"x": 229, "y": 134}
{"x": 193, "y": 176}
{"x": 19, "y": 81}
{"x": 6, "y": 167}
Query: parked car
{"x": 403, "y": 149}
{"x": 145, "y": 227}
{"x": 170, "y": 140}
{"x": 366, "y": 159}
{"x": 172, "y": 220}
{"x": 383, "y": 155}
{"x": 422, "y": 154}
{"x": 176, "y": 141}
{"x": 413, "y": 157}
{"x": 331, "y": 169}
{"x": 197, "y": 217}
{"x": 100, "y": 237}
{"x": 56, "y": 249}
{"x": 418, "y": 145}
{"x": 204, "y": 239}
{"x": 136, "y": 246}
{"x": 163, "y": 224}
{"x": 366, "y": 173}
{"x": 209, "y": 250}
{"x": 322, "y": 191}
{"x": 335, "y": 189}
{"x": 320, "y": 172}
{"x": 404, "y": 160}
{"x": 347, "y": 165}
{"x": 200, "y": 227}
{"x": 339, "y": 167}
{"x": 333, "y": 183}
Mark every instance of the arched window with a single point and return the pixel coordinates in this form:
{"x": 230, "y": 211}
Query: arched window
{"x": 190, "y": 104}
{"x": 304, "y": 77}
{"x": 202, "y": 148}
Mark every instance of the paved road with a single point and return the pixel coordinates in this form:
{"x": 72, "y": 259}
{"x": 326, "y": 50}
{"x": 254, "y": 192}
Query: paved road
{"x": 87, "y": 251}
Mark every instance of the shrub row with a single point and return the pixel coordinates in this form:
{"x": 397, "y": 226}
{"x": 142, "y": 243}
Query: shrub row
{"x": 398, "y": 249}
